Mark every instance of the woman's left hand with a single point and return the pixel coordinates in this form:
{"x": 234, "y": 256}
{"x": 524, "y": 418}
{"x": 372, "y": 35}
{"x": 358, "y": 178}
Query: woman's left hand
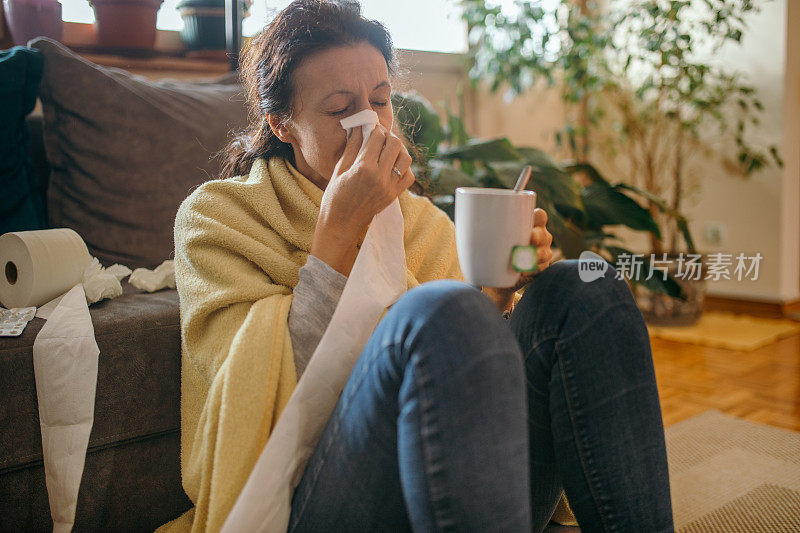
{"x": 542, "y": 239}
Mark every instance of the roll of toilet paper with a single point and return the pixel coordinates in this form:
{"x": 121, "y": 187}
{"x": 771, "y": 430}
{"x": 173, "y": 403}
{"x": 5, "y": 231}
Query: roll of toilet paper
{"x": 40, "y": 265}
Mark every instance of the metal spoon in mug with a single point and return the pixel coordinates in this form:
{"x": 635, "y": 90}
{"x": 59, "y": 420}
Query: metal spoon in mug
{"x": 524, "y": 176}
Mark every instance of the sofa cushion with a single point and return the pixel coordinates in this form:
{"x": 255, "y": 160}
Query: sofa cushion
{"x": 21, "y": 205}
{"x": 125, "y": 151}
{"x": 138, "y": 378}
{"x": 133, "y": 485}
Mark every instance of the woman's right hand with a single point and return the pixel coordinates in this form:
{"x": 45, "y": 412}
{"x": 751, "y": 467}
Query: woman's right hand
{"x": 362, "y": 185}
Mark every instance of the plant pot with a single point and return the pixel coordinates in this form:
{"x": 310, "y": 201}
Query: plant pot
{"x": 126, "y": 24}
{"x": 204, "y": 24}
{"x": 28, "y": 19}
{"x": 659, "y": 309}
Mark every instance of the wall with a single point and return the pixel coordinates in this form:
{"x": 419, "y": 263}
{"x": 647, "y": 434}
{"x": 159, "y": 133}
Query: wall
{"x": 438, "y": 77}
{"x": 754, "y": 210}
{"x": 790, "y": 194}
{"x": 527, "y": 120}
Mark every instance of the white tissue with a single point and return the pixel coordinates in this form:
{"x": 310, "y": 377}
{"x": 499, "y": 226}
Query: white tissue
{"x": 118, "y": 271}
{"x": 377, "y": 279}
{"x": 100, "y": 283}
{"x": 154, "y": 280}
{"x": 367, "y": 119}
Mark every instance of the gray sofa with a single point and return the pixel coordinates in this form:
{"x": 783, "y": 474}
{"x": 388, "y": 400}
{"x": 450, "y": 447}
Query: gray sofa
{"x": 131, "y": 480}
{"x": 115, "y": 155}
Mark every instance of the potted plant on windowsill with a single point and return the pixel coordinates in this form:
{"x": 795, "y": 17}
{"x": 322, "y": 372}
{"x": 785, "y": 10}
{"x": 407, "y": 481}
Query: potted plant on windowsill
{"x": 33, "y": 18}
{"x": 126, "y": 25}
{"x": 204, "y": 23}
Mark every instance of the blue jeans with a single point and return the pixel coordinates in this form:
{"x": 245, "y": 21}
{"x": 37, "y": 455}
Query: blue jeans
{"x": 455, "y": 419}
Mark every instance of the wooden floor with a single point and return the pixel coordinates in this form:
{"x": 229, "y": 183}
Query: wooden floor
{"x": 760, "y": 386}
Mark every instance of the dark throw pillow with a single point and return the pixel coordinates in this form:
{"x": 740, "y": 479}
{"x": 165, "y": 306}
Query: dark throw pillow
{"x": 126, "y": 151}
{"x": 21, "y": 203}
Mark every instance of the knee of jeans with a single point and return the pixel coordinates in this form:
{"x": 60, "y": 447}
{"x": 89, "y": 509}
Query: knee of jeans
{"x": 450, "y": 307}
{"x": 570, "y": 283}
{"x": 438, "y": 299}
{"x": 610, "y": 285}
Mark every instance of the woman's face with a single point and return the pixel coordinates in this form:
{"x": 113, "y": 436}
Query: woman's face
{"x": 328, "y": 86}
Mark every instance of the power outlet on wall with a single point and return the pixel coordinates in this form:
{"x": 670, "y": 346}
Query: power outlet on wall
{"x": 715, "y": 233}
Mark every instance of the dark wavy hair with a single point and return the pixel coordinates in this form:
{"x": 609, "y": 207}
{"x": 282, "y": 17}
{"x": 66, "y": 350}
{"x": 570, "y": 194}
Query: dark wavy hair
{"x": 269, "y": 61}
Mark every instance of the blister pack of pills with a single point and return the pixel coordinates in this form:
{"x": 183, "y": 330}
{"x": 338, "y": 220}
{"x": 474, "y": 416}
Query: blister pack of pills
{"x": 13, "y": 321}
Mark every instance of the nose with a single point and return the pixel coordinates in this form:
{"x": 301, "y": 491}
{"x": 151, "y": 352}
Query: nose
{"x": 362, "y": 102}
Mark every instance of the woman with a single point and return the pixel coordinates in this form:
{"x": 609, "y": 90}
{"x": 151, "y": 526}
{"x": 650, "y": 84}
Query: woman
{"x": 453, "y": 417}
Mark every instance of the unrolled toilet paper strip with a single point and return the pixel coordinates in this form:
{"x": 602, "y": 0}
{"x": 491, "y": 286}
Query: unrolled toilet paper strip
{"x": 47, "y": 309}
{"x": 376, "y": 280}
{"x": 65, "y": 367}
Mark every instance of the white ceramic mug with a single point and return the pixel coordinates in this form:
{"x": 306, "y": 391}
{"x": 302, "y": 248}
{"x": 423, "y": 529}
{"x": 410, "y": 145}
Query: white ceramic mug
{"x": 489, "y": 224}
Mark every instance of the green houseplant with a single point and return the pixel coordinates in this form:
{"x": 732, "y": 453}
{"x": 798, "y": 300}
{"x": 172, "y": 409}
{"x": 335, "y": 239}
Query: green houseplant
{"x": 578, "y": 214}
{"x": 638, "y": 81}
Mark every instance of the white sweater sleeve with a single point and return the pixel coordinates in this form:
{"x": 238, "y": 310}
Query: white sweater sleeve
{"x": 315, "y": 297}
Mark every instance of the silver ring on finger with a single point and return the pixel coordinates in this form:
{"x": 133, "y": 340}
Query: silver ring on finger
{"x": 399, "y": 174}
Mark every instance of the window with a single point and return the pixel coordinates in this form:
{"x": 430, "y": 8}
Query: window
{"x": 414, "y": 24}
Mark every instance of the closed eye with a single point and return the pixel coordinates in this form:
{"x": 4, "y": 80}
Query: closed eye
{"x": 345, "y": 109}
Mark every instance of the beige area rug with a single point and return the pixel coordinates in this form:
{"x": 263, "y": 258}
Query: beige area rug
{"x": 729, "y": 330}
{"x": 729, "y": 475}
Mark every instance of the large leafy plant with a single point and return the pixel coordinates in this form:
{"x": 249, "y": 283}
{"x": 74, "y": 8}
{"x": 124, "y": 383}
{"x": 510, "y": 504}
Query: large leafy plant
{"x": 643, "y": 70}
{"x": 515, "y": 45}
{"x": 580, "y": 214}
